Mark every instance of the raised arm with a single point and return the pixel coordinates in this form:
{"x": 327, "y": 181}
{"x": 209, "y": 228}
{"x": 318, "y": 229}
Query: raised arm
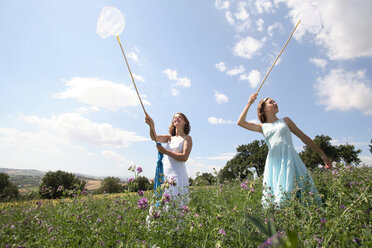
{"x": 242, "y": 118}
{"x": 187, "y": 146}
{"x": 159, "y": 138}
{"x": 309, "y": 142}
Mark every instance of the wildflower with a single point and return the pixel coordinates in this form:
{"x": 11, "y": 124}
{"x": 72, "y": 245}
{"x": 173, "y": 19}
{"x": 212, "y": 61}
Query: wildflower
{"x": 140, "y": 192}
{"x": 165, "y": 198}
{"x": 60, "y": 188}
{"x": 358, "y": 241}
{"x": 243, "y": 186}
{"x": 119, "y": 217}
{"x": 155, "y": 214}
{"x": 53, "y": 238}
{"x": 50, "y": 229}
{"x": 139, "y": 169}
{"x": 142, "y": 203}
{"x": 323, "y": 221}
{"x": 184, "y": 209}
{"x": 343, "y": 206}
{"x": 311, "y": 193}
{"x": 251, "y": 189}
{"x": 196, "y": 215}
{"x": 222, "y": 232}
{"x": 130, "y": 180}
{"x": 319, "y": 240}
{"x": 172, "y": 181}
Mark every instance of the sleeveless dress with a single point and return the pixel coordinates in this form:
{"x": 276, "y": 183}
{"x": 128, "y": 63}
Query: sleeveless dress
{"x": 284, "y": 167}
{"x": 176, "y": 170}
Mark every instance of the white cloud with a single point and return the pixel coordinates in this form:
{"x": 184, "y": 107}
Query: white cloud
{"x": 366, "y": 160}
{"x": 236, "y": 70}
{"x": 229, "y": 18}
{"x": 214, "y": 121}
{"x": 220, "y": 97}
{"x": 133, "y": 56}
{"x": 322, "y": 63}
{"x": 173, "y": 75}
{"x": 263, "y": 6}
{"x": 247, "y": 47}
{"x": 344, "y": 90}
{"x": 138, "y": 78}
{"x": 254, "y": 78}
{"x": 345, "y": 26}
{"x": 260, "y": 23}
{"x": 122, "y": 161}
{"x": 221, "y": 66}
{"x": 271, "y": 28}
{"x": 222, "y": 4}
{"x": 223, "y": 156}
{"x": 175, "y": 92}
{"x": 100, "y": 93}
{"x": 75, "y": 128}
{"x": 242, "y": 13}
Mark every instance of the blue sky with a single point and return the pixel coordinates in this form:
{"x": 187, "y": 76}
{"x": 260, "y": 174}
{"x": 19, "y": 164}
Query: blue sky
{"x": 68, "y": 102}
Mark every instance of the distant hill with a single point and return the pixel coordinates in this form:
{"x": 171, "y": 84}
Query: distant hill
{"x": 29, "y": 180}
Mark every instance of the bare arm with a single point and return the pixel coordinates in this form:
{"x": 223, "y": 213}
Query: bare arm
{"x": 242, "y": 118}
{"x": 187, "y": 146}
{"x": 309, "y": 142}
{"x": 159, "y": 138}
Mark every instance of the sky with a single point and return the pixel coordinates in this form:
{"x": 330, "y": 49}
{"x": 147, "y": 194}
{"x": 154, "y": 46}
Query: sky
{"x": 68, "y": 103}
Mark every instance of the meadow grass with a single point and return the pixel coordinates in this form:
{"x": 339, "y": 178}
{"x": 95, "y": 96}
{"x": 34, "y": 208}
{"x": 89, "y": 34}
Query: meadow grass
{"x": 227, "y": 215}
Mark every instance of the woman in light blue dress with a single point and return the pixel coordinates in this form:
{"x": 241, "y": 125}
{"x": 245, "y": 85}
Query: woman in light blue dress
{"x": 283, "y": 168}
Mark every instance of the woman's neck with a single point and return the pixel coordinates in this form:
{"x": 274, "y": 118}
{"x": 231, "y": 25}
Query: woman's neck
{"x": 271, "y": 118}
{"x": 180, "y": 132}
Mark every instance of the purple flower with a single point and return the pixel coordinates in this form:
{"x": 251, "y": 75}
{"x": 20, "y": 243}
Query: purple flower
{"x": 130, "y": 180}
{"x": 50, "y": 229}
{"x": 323, "y": 221}
{"x": 165, "y": 198}
{"x": 143, "y": 203}
{"x": 155, "y": 214}
{"x": 358, "y": 241}
{"x": 53, "y": 238}
{"x": 196, "y": 215}
{"x": 243, "y": 186}
{"x": 172, "y": 181}
{"x": 251, "y": 189}
{"x": 319, "y": 240}
{"x": 184, "y": 209}
{"x": 60, "y": 188}
{"x": 222, "y": 232}
{"x": 139, "y": 169}
{"x": 343, "y": 206}
{"x": 119, "y": 217}
{"x": 140, "y": 192}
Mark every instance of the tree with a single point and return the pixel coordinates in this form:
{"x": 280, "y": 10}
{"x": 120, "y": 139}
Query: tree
{"x": 7, "y": 189}
{"x": 56, "y": 184}
{"x": 204, "y": 179}
{"x": 252, "y": 155}
{"x": 345, "y": 153}
{"x": 142, "y": 183}
{"x": 111, "y": 185}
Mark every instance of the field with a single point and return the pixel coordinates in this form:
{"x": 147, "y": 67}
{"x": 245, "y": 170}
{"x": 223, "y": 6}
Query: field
{"x": 228, "y": 215}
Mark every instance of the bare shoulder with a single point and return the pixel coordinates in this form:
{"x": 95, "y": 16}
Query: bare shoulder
{"x": 188, "y": 138}
{"x": 288, "y": 121}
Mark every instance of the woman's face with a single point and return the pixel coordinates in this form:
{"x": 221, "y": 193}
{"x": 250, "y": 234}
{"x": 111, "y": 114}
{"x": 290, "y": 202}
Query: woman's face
{"x": 178, "y": 120}
{"x": 271, "y": 105}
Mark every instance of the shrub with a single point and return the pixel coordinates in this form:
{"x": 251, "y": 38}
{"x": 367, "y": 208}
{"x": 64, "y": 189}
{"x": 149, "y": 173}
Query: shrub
{"x": 7, "y": 189}
{"x": 111, "y": 185}
{"x": 60, "y": 183}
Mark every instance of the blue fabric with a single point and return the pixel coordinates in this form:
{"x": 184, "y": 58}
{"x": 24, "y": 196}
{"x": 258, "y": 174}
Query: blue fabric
{"x": 284, "y": 170}
{"x": 159, "y": 173}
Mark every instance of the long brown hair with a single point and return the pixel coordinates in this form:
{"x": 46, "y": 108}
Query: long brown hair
{"x": 186, "y": 128}
{"x": 260, "y": 110}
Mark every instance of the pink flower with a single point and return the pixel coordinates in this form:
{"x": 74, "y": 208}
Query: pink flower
{"x": 139, "y": 169}
{"x": 222, "y": 232}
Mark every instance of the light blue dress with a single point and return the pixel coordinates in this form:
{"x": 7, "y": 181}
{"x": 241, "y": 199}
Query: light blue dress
{"x": 283, "y": 167}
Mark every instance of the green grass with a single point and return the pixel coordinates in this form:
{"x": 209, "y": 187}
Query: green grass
{"x": 217, "y": 216}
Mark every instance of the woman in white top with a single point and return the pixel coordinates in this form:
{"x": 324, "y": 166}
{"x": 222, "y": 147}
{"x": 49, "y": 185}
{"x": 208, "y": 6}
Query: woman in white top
{"x": 177, "y": 149}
